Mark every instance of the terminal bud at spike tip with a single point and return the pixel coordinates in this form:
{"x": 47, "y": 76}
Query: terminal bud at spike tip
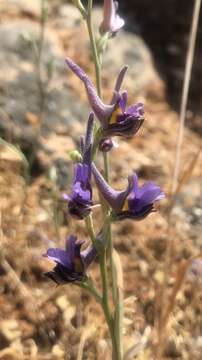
{"x": 112, "y": 22}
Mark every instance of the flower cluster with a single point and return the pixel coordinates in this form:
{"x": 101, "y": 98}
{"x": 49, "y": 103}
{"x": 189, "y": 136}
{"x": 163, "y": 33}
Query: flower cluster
{"x": 135, "y": 202}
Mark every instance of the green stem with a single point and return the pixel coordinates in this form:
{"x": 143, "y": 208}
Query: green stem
{"x": 105, "y": 287}
{"x": 103, "y": 267}
{"x": 112, "y": 269}
{"x": 106, "y": 166}
{"x": 90, "y": 228}
{"x": 80, "y": 7}
{"x": 103, "y": 270}
{"x": 93, "y": 46}
{"x": 113, "y": 323}
{"x": 116, "y": 355}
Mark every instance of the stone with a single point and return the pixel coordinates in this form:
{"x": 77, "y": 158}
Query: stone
{"x": 64, "y": 114}
{"x": 20, "y": 115}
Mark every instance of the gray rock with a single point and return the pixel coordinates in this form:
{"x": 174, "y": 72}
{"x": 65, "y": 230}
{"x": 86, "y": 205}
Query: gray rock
{"x": 64, "y": 114}
{"x": 19, "y": 93}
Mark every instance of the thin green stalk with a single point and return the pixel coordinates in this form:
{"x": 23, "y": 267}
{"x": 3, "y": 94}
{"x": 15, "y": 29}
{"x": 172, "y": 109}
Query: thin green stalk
{"x": 103, "y": 267}
{"x": 105, "y": 156}
{"x": 113, "y": 324}
{"x": 117, "y": 299}
{"x": 104, "y": 276}
{"x": 118, "y": 321}
{"x": 116, "y": 354}
{"x": 118, "y": 315}
{"x": 112, "y": 269}
{"x": 80, "y": 7}
{"x": 105, "y": 285}
{"x": 90, "y": 228}
{"x": 106, "y": 166}
{"x": 93, "y": 46}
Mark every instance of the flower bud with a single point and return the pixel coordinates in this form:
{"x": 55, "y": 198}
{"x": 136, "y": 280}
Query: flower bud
{"x": 75, "y": 156}
{"x": 106, "y": 145}
{"x": 112, "y": 22}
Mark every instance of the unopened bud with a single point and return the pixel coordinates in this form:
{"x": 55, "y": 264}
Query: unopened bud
{"x": 112, "y": 22}
{"x": 107, "y": 144}
{"x": 75, "y": 156}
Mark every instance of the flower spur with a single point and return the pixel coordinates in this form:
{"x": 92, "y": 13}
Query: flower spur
{"x": 135, "y": 202}
{"x": 115, "y": 119}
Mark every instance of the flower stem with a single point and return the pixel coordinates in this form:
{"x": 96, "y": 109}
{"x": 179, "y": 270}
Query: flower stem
{"x": 93, "y": 46}
{"x": 112, "y": 269}
{"x": 113, "y": 322}
{"x": 116, "y": 354}
{"x": 104, "y": 300}
{"x": 80, "y": 7}
{"x": 106, "y": 166}
{"x": 105, "y": 287}
{"x": 90, "y": 228}
{"x": 97, "y": 64}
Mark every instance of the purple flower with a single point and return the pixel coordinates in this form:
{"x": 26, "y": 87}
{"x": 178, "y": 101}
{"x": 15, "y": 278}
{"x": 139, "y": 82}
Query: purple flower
{"x": 115, "y": 119}
{"x": 125, "y": 122}
{"x": 134, "y": 202}
{"x": 80, "y": 200}
{"x": 140, "y": 201}
{"x": 112, "y": 22}
{"x": 71, "y": 263}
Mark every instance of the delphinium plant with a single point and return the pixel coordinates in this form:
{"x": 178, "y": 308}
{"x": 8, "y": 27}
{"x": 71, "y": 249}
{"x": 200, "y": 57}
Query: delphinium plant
{"x": 136, "y": 202}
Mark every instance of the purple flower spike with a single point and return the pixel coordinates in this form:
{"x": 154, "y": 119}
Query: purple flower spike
{"x": 112, "y": 22}
{"x": 115, "y": 120}
{"x": 134, "y": 202}
{"x": 71, "y": 263}
{"x": 80, "y": 201}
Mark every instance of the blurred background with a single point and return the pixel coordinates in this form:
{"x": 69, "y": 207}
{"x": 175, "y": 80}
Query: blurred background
{"x": 43, "y": 112}
{"x": 165, "y": 27}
